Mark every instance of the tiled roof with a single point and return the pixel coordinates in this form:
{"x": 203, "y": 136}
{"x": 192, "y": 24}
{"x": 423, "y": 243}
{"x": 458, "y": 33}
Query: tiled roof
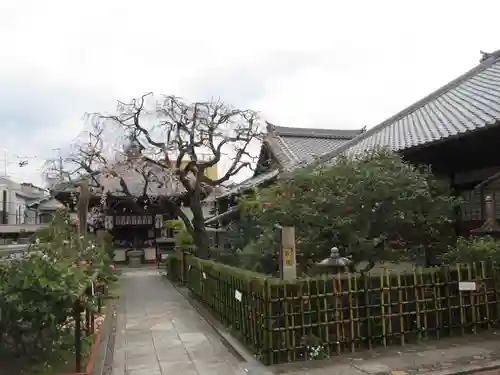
{"x": 50, "y": 205}
{"x": 163, "y": 184}
{"x": 292, "y": 146}
{"x": 470, "y": 102}
{"x": 249, "y": 183}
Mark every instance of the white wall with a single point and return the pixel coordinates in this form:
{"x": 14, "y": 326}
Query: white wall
{"x": 16, "y": 205}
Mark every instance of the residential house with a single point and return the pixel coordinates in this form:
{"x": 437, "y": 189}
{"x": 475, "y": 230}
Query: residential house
{"x": 18, "y": 211}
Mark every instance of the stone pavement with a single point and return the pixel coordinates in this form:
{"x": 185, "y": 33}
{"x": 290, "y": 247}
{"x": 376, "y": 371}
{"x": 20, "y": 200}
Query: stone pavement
{"x": 478, "y": 354}
{"x": 159, "y": 332}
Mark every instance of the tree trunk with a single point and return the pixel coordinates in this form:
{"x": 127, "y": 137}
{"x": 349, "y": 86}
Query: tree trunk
{"x": 368, "y": 267}
{"x": 200, "y": 235}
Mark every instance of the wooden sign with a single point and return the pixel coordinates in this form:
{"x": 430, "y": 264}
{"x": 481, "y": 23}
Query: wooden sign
{"x": 288, "y": 266}
{"x": 287, "y": 256}
{"x": 467, "y": 286}
{"x": 130, "y": 220}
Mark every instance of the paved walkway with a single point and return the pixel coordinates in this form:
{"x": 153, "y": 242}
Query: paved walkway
{"x": 159, "y": 332}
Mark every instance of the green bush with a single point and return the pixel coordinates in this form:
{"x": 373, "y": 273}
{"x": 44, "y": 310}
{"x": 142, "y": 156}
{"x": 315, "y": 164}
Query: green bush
{"x": 38, "y": 291}
{"x": 473, "y": 249}
{"x": 375, "y": 207}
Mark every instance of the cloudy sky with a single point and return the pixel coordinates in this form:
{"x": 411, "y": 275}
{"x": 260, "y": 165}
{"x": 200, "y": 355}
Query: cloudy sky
{"x": 332, "y": 64}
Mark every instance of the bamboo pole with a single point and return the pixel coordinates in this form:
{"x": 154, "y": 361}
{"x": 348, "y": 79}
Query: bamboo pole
{"x": 342, "y": 317}
{"x": 461, "y": 299}
{"x": 325, "y": 315}
{"x": 358, "y": 315}
{"x": 485, "y": 294}
{"x": 382, "y": 307}
{"x": 389, "y": 303}
{"x": 338, "y": 308}
{"x": 417, "y": 306}
{"x": 288, "y": 328}
{"x": 446, "y": 272}
{"x": 351, "y": 311}
{"x": 472, "y": 300}
{"x": 436, "y": 303}
{"x": 401, "y": 311}
{"x": 268, "y": 342}
{"x": 368, "y": 312}
{"x": 496, "y": 284}
{"x": 319, "y": 324}
{"x": 422, "y": 287}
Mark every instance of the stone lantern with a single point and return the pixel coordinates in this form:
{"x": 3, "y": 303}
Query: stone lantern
{"x": 490, "y": 226}
{"x": 333, "y": 264}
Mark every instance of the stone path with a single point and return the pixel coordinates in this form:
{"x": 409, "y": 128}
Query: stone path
{"x": 159, "y": 332}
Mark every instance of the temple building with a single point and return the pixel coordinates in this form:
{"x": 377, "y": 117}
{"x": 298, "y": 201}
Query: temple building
{"x": 126, "y": 200}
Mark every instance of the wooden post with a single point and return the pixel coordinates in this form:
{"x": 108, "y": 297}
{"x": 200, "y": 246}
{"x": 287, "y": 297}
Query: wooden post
{"x": 78, "y": 337}
{"x": 288, "y": 254}
{"x": 83, "y": 207}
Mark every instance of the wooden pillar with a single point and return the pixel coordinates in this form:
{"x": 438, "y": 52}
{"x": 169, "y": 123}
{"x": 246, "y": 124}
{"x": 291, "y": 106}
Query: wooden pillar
{"x": 83, "y": 208}
{"x": 288, "y": 254}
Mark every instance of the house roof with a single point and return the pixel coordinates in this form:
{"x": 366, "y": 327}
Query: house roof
{"x": 47, "y": 203}
{"x": 468, "y": 103}
{"x": 293, "y": 146}
{"x": 164, "y": 184}
{"x": 249, "y": 183}
{"x": 159, "y": 182}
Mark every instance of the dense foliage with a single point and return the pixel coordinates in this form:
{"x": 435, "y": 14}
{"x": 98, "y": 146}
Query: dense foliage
{"x": 181, "y": 234}
{"x": 38, "y": 290}
{"x": 473, "y": 249}
{"x": 374, "y": 207}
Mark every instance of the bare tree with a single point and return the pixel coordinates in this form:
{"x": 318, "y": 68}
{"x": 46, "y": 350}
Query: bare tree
{"x": 173, "y": 135}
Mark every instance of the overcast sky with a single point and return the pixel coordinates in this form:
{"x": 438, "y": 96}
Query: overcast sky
{"x": 332, "y": 64}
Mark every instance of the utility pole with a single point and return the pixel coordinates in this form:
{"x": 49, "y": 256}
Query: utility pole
{"x": 5, "y": 163}
{"x": 59, "y": 164}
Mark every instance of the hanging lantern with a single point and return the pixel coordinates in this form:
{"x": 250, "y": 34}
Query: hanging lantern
{"x": 108, "y": 222}
{"x": 158, "y": 221}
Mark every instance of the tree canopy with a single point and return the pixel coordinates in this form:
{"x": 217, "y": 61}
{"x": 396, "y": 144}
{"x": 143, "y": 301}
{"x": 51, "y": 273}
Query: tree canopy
{"x": 373, "y": 207}
{"x": 174, "y": 144}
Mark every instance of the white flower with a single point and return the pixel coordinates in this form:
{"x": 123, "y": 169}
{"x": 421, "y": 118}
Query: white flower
{"x": 37, "y": 241}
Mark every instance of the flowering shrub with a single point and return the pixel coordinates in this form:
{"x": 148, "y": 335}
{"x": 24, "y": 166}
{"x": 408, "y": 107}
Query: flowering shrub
{"x": 38, "y": 290}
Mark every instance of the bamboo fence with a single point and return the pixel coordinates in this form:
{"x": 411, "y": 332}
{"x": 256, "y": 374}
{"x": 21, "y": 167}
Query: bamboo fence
{"x": 279, "y": 321}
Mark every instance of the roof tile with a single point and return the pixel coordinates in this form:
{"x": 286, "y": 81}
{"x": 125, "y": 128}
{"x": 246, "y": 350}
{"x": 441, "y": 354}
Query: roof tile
{"x": 468, "y": 103}
{"x": 293, "y": 146}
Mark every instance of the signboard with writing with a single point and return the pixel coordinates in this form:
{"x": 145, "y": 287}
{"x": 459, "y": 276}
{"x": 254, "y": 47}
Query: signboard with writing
{"x": 287, "y": 256}
{"x": 128, "y": 220}
{"x": 466, "y": 286}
